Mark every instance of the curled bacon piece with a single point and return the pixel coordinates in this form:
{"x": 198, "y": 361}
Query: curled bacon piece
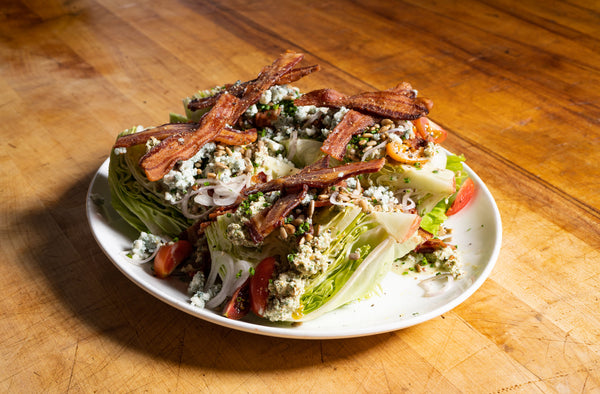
{"x": 182, "y": 146}
{"x": 159, "y": 132}
{"x": 430, "y": 245}
{"x": 317, "y": 177}
{"x": 352, "y": 123}
{"x": 269, "y": 219}
{"x": 228, "y": 135}
{"x": 397, "y": 103}
{"x": 267, "y": 78}
{"x": 238, "y": 89}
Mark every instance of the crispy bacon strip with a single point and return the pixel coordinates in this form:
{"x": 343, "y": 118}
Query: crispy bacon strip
{"x": 181, "y": 146}
{"x": 318, "y": 177}
{"x": 159, "y": 132}
{"x": 397, "y": 103}
{"x": 228, "y": 135}
{"x": 267, "y": 78}
{"x": 352, "y": 123}
{"x": 238, "y": 89}
{"x": 430, "y": 246}
{"x": 390, "y": 104}
{"x": 296, "y": 74}
{"x": 273, "y": 217}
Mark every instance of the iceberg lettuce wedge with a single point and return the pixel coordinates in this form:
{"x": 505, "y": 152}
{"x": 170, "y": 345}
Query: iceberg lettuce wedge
{"x": 140, "y": 206}
{"x": 360, "y": 255}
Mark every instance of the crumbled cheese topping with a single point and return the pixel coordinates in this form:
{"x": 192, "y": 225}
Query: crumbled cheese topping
{"x": 383, "y": 195}
{"x": 144, "y": 246}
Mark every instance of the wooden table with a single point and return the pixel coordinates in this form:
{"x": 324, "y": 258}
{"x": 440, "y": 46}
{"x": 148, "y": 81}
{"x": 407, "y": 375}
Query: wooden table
{"x": 516, "y": 84}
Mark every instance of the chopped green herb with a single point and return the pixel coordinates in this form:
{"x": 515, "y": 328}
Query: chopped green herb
{"x": 303, "y": 228}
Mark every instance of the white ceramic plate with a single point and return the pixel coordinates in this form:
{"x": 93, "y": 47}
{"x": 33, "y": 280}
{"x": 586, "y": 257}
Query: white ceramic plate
{"x": 477, "y": 231}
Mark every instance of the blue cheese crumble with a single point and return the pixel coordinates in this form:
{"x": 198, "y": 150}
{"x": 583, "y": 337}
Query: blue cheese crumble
{"x": 384, "y": 197}
{"x": 199, "y": 297}
{"x": 444, "y": 260}
{"x": 288, "y": 287}
{"x": 143, "y": 247}
{"x": 183, "y": 176}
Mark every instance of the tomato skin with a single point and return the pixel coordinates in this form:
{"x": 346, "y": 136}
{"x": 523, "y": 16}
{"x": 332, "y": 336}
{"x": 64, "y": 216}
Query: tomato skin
{"x": 239, "y": 304}
{"x": 464, "y": 195}
{"x": 169, "y": 256}
{"x": 259, "y": 285}
{"x": 429, "y": 130}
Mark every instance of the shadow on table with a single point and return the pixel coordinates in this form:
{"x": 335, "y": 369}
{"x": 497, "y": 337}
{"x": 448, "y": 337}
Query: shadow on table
{"x": 92, "y": 291}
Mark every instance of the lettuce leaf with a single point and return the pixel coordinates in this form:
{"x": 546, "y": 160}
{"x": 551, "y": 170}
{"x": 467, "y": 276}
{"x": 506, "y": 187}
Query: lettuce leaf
{"x": 348, "y": 279}
{"x": 454, "y": 164}
{"x": 437, "y": 216}
{"x": 432, "y": 221}
{"x": 142, "y": 208}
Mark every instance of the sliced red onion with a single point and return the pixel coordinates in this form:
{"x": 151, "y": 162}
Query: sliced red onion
{"x": 312, "y": 119}
{"x": 407, "y": 202}
{"x": 225, "y": 263}
{"x": 242, "y": 268}
{"x": 434, "y": 286}
{"x": 137, "y": 261}
{"x": 202, "y": 197}
{"x": 223, "y": 193}
{"x": 373, "y": 149}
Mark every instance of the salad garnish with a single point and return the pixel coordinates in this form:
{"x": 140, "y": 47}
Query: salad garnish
{"x": 290, "y": 205}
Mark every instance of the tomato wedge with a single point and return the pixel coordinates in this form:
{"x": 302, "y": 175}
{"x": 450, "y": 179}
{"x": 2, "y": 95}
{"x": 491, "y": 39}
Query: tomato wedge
{"x": 464, "y": 195}
{"x": 259, "y": 285}
{"x": 239, "y": 304}
{"x": 429, "y": 130}
{"x": 403, "y": 154}
{"x": 169, "y": 256}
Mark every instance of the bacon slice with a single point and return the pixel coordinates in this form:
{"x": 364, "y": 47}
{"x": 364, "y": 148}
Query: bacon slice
{"x": 430, "y": 246}
{"x": 296, "y": 74}
{"x": 238, "y": 89}
{"x": 267, "y": 78}
{"x": 159, "y": 132}
{"x": 323, "y": 98}
{"x": 227, "y": 136}
{"x": 230, "y": 136}
{"x": 352, "y": 123}
{"x": 182, "y": 146}
{"x": 397, "y": 103}
{"x": 318, "y": 177}
{"x": 262, "y": 224}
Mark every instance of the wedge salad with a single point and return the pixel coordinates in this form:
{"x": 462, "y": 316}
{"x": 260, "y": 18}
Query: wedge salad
{"x": 286, "y": 204}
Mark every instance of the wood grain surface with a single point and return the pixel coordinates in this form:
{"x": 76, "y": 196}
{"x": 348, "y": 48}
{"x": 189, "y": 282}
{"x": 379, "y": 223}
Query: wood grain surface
{"x": 516, "y": 84}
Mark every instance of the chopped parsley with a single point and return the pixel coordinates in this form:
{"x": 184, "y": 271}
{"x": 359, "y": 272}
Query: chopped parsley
{"x": 303, "y": 228}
